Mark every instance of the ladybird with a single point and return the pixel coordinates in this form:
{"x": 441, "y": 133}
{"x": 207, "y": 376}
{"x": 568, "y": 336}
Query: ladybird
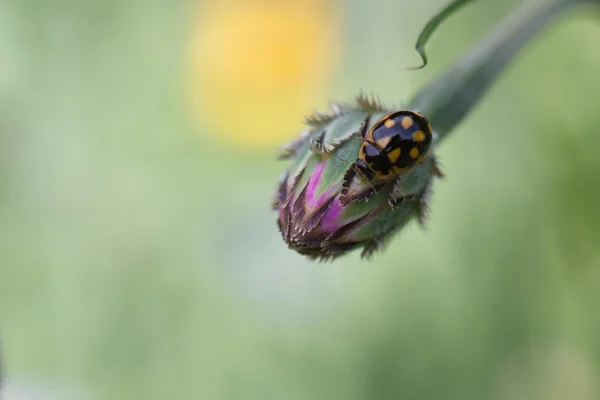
{"x": 393, "y": 145}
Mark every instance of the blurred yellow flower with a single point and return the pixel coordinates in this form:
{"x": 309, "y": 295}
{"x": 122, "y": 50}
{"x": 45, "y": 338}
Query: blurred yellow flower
{"x": 257, "y": 67}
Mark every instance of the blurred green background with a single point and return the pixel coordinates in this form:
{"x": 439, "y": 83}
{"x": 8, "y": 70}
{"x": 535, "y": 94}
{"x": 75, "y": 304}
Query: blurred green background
{"x": 140, "y": 258}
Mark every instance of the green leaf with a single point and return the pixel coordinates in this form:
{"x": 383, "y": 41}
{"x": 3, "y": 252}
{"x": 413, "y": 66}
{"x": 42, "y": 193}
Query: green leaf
{"x": 453, "y": 94}
{"x": 431, "y": 27}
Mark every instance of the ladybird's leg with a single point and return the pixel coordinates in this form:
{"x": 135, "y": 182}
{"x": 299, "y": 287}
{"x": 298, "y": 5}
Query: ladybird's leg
{"x": 392, "y": 200}
{"x": 395, "y": 189}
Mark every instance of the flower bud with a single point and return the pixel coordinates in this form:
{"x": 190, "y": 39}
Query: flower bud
{"x": 326, "y": 205}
